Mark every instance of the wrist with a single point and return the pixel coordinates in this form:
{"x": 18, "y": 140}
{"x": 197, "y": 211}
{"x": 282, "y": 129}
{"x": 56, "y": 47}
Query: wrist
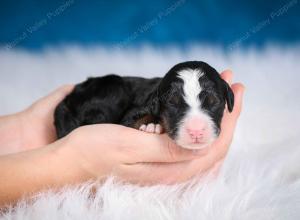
{"x": 86, "y": 157}
{"x": 68, "y": 161}
{"x": 36, "y": 170}
{"x": 36, "y": 130}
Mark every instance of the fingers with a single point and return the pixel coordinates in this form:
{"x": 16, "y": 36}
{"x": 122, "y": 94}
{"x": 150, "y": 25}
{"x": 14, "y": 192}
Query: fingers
{"x": 58, "y": 95}
{"x": 45, "y": 106}
{"x": 179, "y": 165}
{"x": 227, "y": 76}
{"x": 168, "y": 173}
{"x": 154, "y": 173}
{"x": 221, "y": 145}
{"x": 229, "y": 119}
{"x": 145, "y": 147}
{"x": 238, "y": 90}
{"x": 49, "y": 102}
{"x": 133, "y": 155}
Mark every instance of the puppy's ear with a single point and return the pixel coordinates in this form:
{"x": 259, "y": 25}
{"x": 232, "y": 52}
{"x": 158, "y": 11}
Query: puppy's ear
{"x": 229, "y": 96}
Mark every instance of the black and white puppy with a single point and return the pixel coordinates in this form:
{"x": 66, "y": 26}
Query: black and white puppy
{"x": 187, "y": 103}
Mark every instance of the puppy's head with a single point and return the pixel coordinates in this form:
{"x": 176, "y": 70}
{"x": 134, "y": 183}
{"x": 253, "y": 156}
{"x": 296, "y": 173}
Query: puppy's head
{"x": 191, "y": 101}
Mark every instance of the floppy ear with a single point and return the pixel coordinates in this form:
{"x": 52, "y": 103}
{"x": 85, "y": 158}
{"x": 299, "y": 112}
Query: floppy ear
{"x": 229, "y": 96}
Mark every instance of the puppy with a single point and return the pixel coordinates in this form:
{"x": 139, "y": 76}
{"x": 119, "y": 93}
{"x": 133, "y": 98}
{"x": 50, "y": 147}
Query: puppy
{"x": 187, "y": 103}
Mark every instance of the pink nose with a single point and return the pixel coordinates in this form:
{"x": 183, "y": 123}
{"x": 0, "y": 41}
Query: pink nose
{"x": 195, "y": 134}
{"x": 196, "y": 128}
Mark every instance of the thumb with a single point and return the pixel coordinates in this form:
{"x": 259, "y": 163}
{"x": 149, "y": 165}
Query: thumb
{"x": 44, "y": 106}
{"x": 57, "y": 95}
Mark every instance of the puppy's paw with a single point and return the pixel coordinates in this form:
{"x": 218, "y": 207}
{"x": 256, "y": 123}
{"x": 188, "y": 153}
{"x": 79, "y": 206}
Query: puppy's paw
{"x": 152, "y": 128}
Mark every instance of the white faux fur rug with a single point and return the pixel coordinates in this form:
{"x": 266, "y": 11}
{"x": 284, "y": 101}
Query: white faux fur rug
{"x": 260, "y": 178}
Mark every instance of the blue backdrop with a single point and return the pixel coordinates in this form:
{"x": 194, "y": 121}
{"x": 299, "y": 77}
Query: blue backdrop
{"x": 34, "y": 24}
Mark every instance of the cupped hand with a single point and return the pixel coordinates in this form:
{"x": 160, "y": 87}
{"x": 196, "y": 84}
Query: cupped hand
{"x": 98, "y": 151}
{"x": 102, "y": 150}
{"x": 218, "y": 150}
{"x": 37, "y": 121}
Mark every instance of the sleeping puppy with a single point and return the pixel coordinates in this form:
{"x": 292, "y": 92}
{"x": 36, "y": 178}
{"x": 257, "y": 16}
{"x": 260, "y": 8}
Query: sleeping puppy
{"x": 187, "y": 103}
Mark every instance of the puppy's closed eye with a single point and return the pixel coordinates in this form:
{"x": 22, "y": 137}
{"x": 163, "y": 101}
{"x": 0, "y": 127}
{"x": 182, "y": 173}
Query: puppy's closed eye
{"x": 211, "y": 99}
{"x": 174, "y": 100}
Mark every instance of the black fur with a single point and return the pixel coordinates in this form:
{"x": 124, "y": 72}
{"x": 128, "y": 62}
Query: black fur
{"x": 172, "y": 107}
{"x": 131, "y": 101}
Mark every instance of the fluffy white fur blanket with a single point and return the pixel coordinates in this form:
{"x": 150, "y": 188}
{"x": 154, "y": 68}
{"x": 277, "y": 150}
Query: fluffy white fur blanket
{"x": 260, "y": 178}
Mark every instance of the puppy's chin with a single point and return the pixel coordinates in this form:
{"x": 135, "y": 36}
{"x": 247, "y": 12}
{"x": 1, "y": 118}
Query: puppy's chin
{"x": 195, "y": 146}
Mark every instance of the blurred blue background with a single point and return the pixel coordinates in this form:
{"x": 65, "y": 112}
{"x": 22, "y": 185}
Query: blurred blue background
{"x": 37, "y": 24}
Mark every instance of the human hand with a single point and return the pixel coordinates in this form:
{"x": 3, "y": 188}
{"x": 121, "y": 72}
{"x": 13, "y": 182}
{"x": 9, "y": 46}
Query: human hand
{"x": 98, "y": 151}
{"x": 214, "y": 155}
{"x": 37, "y": 121}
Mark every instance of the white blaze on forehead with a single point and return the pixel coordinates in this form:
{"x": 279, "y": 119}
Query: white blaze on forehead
{"x": 191, "y": 91}
{"x": 191, "y": 86}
